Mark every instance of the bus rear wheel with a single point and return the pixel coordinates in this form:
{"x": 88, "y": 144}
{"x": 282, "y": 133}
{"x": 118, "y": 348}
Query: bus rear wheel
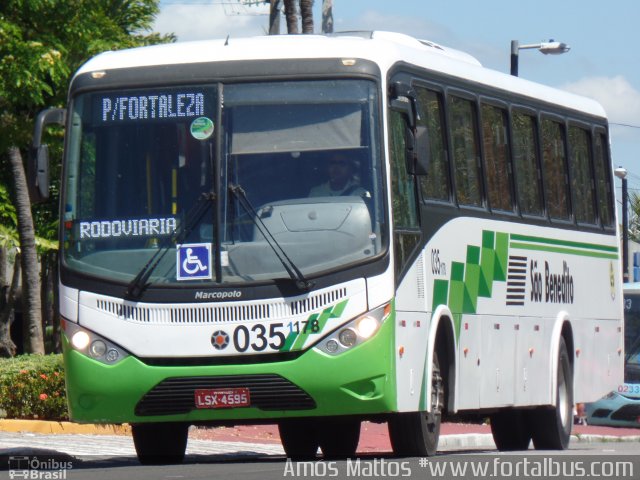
{"x": 299, "y": 438}
{"x": 415, "y": 434}
{"x": 339, "y": 437}
{"x": 160, "y": 443}
{"x": 510, "y": 430}
{"x": 551, "y": 427}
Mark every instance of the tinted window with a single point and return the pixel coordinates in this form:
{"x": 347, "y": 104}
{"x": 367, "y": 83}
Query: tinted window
{"x": 435, "y": 184}
{"x": 525, "y": 164}
{"x": 554, "y": 169}
{"x": 603, "y": 182}
{"x": 465, "y": 151}
{"x": 496, "y": 157}
{"x": 581, "y": 181}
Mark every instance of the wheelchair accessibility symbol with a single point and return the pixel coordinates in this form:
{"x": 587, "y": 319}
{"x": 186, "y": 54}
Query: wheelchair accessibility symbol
{"x": 193, "y": 261}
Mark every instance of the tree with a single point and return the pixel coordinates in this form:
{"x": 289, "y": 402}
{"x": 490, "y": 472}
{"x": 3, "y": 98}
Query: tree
{"x": 291, "y": 14}
{"x": 41, "y": 44}
{"x": 634, "y": 217}
{"x": 327, "y": 16}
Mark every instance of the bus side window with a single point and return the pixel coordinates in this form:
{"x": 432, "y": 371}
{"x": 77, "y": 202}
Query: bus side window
{"x": 525, "y": 161}
{"x": 406, "y": 232}
{"x": 603, "y": 183}
{"x": 465, "y": 151}
{"x": 434, "y": 185}
{"x": 581, "y": 180}
{"x": 496, "y": 157}
{"x": 555, "y": 169}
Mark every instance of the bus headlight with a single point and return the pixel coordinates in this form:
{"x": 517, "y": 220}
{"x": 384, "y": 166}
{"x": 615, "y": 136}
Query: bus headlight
{"x": 354, "y": 332}
{"x": 80, "y": 340}
{"x": 367, "y": 326}
{"x": 92, "y": 345}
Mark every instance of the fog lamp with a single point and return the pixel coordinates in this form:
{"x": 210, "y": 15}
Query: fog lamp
{"x": 348, "y": 337}
{"x": 98, "y": 348}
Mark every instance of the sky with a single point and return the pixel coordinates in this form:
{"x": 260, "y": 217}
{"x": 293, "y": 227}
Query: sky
{"x": 601, "y": 64}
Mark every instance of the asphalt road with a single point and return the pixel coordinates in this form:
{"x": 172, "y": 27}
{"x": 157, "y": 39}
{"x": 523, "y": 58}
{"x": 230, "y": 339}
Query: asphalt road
{"x": 605, "y": 460}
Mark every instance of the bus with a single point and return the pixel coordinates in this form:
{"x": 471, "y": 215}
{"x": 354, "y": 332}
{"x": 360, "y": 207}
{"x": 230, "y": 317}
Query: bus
{"x": 312, "y": 231}
{"x": 621, "y": 407}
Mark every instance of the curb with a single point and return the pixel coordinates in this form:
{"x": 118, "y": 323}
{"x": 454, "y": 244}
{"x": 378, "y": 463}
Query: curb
{"x": 451, "y": 441}
{"x": 49, "y": 427}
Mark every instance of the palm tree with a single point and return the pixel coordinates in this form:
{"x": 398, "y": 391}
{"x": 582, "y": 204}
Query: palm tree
{"x": 32, "y": 311}
{"x": 291, "y": 14}
{"x": 327, "y": 16}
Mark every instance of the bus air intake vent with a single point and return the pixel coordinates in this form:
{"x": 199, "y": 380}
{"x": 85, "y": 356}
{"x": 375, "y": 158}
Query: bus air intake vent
{"x": 198, "y": 314}
{"x": 266, "y": 391}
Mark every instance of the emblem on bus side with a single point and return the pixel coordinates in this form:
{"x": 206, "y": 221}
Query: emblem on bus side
{"x": 219, "y": 340}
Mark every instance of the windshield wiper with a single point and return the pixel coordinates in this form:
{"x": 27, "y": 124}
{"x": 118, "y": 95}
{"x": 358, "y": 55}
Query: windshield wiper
{"x": 140, "y": 283}
{"x": 294, "y": 272}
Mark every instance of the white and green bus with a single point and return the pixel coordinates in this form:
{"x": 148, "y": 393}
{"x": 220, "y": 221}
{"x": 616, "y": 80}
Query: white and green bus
{"x": 314, "y": 231}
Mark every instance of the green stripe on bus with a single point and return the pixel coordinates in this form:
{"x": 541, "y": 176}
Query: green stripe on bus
{"x": 564, "y": 243}
{"x": 567, "y": 251}
{"x": 331, "y": 312}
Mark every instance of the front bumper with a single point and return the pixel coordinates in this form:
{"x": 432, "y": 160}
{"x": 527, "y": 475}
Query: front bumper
{"x": 357, "y": 382}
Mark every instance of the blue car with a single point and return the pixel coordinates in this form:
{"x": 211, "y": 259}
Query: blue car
{"x": 621, "y": 408}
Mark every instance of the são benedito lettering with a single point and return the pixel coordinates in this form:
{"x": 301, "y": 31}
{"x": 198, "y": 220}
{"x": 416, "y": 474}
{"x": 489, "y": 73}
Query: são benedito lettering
{"x": 558, "y": 287}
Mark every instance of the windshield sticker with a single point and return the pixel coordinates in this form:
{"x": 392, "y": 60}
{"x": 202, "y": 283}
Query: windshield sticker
{"x": 152, "y": 107}
{"x": 202, "y": 128}
{"x": 193, "y": 261}
{"x": 140, "y": 227}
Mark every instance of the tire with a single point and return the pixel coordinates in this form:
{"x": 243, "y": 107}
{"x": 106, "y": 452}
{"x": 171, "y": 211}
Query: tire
{"x": 416, "y": 434}
{"x": 299, "y": 438}
{"x": 160, "y": 443}
{"x": 510, "y": 430}
{"x": 551, "y": 427}
{"x": 339, "y": 437}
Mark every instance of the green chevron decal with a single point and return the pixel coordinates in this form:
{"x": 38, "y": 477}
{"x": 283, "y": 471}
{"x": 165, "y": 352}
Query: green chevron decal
{"x": 487, "y": 263}
{"x": 295, "y": 340}
{"x": 474, "y": 278}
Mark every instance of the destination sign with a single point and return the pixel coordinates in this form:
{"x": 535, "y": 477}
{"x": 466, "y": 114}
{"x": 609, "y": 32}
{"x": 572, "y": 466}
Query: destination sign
{"x": 139, "y": 106}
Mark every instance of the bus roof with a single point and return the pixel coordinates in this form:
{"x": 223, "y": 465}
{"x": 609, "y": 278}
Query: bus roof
{"x": 383, "y": 48}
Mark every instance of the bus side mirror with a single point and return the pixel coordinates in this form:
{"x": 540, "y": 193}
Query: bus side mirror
{"x": 41, "y": 180}
{"x": 404, "y": 100}
{"x": 38, "y": 165}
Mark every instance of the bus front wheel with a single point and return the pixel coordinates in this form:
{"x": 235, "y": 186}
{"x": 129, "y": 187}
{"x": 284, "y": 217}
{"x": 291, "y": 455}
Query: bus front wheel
{"x": 299, "y": 438}
{"x": 414, "y": 434}
{"x": 339, "y": 437}
{"x": 160, "y": 443}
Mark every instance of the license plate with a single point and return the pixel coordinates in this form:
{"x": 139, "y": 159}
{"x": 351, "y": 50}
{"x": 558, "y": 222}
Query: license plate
{"x": 222, "y": 398}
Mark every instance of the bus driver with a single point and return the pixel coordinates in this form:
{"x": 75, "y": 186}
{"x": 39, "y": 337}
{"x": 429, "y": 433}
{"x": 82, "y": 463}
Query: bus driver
{"x": 342, "y": 179}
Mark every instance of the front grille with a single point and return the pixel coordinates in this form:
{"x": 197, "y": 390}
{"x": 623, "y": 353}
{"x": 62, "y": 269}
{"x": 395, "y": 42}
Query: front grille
{"x": 214, "y": 313}
{"x": 268, "y": 392}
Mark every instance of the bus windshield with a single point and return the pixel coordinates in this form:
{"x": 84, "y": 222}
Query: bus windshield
{"x": 632, "y": 337}
{"x": 160, "y": 168}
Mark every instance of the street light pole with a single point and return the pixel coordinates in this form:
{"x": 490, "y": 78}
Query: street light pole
{"x": 621, "y": 173}
{"x": 548, "y": 48}
{"x": 515, "y": 48}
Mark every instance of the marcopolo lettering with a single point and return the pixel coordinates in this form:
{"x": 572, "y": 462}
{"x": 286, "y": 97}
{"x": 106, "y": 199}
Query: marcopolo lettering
{"x": 151, "y": 107}
{"x": 141, "y": 227}
{"x": 218, "y": 295}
